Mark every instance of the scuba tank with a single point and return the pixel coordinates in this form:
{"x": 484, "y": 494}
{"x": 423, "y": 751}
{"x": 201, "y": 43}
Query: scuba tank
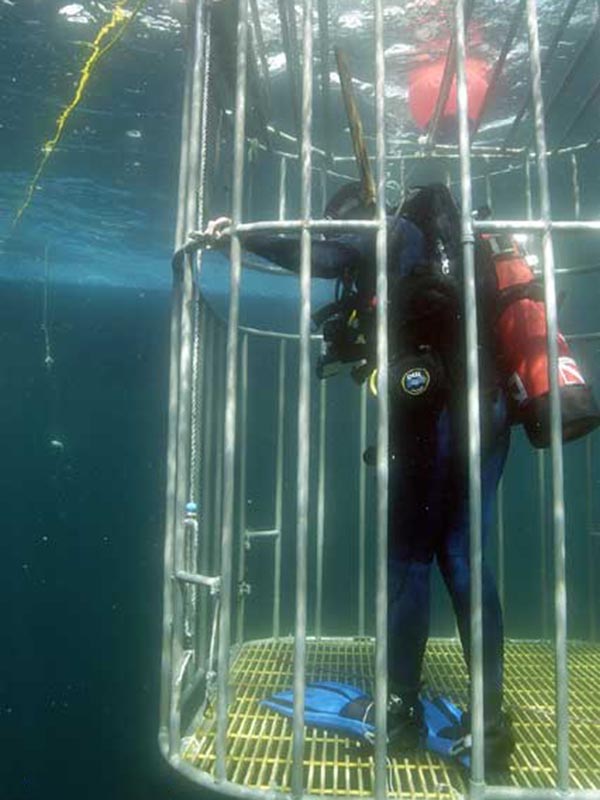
{"x": 520, "y": 334}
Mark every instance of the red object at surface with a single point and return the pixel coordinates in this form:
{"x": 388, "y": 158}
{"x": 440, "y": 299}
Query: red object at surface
{"x": 424, "y": 85}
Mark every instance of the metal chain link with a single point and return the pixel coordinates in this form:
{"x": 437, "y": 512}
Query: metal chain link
{"x": 191, "y": 600}
{"x": 196, "y": 361}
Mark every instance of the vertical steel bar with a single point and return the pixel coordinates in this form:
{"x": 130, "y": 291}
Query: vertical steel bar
{"x": 381, "y": 607}
{"x": 202, "y": 203}
{"x": 288, "y": 28}
{"x": 562, "y": 697}
{"x": 303, "y": 408}
{"x": 282, "y": 186}
{"x": 362, "y": 511}
{"x": 321, "y": 506}
{"x": 179, "y": 407}
{"x": 279, "y": 489}
{"x": 501, "y": 545}
{"x": 575, "y": 184}
{"x": 196, "y": 395}
{"x": 195, "y": 120}
{"x": 230, "y": 399}
{"x": 542, "y": 507}
{"x": 488, "y": 185}
{"x": 260, "y": 46}
{"x": 243, "y": 439}
{"x": 184, "y": 166}
{"x": 541, "y": 462}
{"x": 168, "y": 746}
{"x": 589, "y": 524}
{"x": 206, "y": 503}
{"x": 198, "y": 474}
{"x": 323, "y": 174}
{"x": 249, "y": 184}
{"x": 196, "y": 207}
{"x": 564, "y": 21}
{"x": 323, "y": 12}
{"x": 589, "y": 440}
{"x": 581, "y": 111}
{"x": 447, "y": 80}
{"x": 402, "y": 181}
{"x": 477, "y": 782}
{"x": 528, "y": 198}
{"x": 583, "y": 51}
{"x": 499, "y": 65}
{"x": 220, "y": 424}
{"x": 182, "y": 487}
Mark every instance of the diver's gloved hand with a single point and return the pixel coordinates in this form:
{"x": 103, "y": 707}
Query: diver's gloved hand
{"x": 216, "y": 230}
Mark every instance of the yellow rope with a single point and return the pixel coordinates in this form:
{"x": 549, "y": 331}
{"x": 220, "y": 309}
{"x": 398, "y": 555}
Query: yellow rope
{"x": 119, "y": 21}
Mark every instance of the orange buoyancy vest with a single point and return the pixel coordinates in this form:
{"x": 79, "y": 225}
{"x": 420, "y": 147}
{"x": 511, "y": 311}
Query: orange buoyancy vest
{"x": 522, "y": 351}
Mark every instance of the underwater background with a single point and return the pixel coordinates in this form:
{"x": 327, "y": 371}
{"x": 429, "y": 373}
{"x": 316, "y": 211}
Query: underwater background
{"x": 84, "y": 325}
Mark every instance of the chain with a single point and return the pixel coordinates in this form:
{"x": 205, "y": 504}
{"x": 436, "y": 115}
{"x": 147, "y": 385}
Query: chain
{"x": 196, "y": 358}
{"x": 191, "y": 600}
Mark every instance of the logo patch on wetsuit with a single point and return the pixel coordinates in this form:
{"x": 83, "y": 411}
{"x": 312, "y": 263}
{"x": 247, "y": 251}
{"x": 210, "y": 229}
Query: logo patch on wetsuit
{"x": 416, "y": 381}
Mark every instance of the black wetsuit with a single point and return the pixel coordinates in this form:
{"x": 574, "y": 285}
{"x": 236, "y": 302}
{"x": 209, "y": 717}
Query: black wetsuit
{"x": 428, "y": 501}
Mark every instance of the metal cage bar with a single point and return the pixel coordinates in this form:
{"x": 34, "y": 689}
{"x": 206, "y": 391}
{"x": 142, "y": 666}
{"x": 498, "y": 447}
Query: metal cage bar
{"x": 231, "y": 398}
{"x": 362, "y": 513}
{"x": 279, "y": 488}
{"x": 589, "y": 100}
{"x": 543, "y": 523}
{"x": 381, "y": 590}
{"x": 321, "y": 508}
{"x": 562, "y": 26}
{"x": 303, "y": 407}
{"x": 323, "y": 12}
{"x": 475, "y": 514}
{"x": 447, "y": 79}
{"x": 242, "y": 523}
{"x": 500, "y": 62}
{"x": 206, "y": 501}
{"x": 592, "y": 531}
{"x": 562, "y": 708}
{"x": 288, "y": 28}
{"x": 180, "y": 402}
{"x": 501, "y": 546}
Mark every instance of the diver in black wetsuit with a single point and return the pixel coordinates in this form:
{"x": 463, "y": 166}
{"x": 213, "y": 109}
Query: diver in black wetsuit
{"x": 428, "y": 488}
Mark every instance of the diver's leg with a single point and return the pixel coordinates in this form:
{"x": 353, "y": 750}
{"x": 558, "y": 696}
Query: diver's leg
{"x": 416, "y": 480}
{"x": 456, "y": 572}
{"x": 408, "y": 625}
{"x": 408, "y": 629}
{"x": 453, "y": 558}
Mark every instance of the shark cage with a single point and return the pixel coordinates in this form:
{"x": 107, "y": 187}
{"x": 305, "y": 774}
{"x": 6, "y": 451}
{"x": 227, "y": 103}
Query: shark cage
{"x": 275, "y": 566}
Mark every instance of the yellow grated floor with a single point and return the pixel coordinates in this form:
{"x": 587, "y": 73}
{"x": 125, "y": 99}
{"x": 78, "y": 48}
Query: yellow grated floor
{"x": 259, "y": 753}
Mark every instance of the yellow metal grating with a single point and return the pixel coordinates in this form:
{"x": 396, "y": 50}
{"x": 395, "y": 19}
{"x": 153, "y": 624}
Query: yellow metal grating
{"x": 259, "y": 752}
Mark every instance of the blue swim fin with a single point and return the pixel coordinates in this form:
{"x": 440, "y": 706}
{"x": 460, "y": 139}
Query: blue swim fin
{"x": 333, "y": 706}
{"x": 347, "y": 710}
{"x": 446, "y": 734}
